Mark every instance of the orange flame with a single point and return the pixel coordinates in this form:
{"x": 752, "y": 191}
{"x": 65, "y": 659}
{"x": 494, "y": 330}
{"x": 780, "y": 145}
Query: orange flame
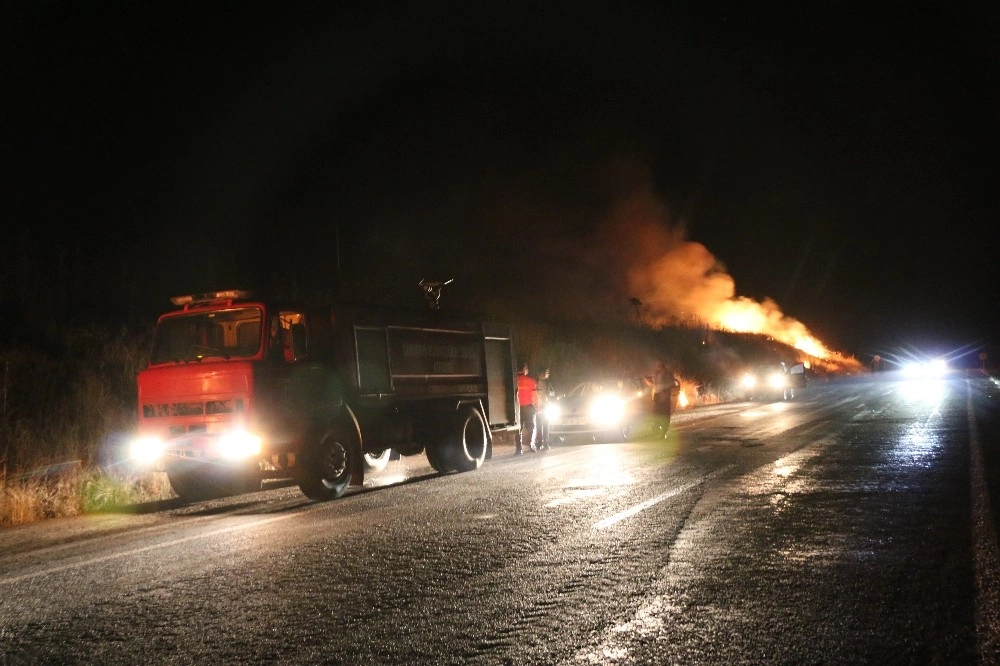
{"x": 744, "y": 315}
{"x": 681, "y": 282}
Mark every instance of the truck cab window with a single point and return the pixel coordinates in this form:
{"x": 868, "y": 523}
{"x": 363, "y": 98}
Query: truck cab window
{"x": 289, "y": 338}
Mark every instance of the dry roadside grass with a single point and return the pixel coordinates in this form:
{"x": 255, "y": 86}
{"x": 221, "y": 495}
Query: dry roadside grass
{"x": 74, "y": 491}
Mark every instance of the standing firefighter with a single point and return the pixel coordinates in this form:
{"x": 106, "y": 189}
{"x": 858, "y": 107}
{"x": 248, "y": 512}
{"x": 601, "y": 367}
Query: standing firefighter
{"x": 527, "y": 399}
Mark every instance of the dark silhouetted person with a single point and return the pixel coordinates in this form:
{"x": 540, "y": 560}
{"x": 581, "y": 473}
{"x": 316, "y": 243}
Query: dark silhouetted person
{"x": 546, "y": 394}
{"x": 662, "y": 384}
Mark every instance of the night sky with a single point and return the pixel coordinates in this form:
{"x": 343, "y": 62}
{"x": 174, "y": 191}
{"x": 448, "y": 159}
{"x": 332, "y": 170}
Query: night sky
{"x": 836, "y": 162}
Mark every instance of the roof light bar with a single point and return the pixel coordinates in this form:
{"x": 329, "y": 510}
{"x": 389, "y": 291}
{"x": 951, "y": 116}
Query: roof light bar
{"x": 227, "y": 295}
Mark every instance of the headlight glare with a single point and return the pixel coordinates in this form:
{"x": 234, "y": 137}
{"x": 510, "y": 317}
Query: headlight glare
{"x": 607, "y": 410}
{"x": 238, "y": 444}
{"x": 776, "y": 380}
{"x": 146, "y": 449}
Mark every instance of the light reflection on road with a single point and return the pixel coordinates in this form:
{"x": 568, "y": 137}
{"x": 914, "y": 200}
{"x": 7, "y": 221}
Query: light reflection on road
{"x": 929, "y": 392}
{"x": 920, "y": 441}
{"x": 606, "y": 470}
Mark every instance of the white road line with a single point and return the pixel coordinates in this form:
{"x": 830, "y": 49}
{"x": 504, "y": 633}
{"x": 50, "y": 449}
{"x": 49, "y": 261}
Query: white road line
{"x": 642, "y": 506}
{"x": 986, "y": 551}
{"x": 135, "y": 551}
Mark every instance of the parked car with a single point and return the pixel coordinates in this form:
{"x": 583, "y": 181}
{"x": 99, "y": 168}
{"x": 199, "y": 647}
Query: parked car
{"x": 773, "y": 381}
{"x": 600, "y": 409}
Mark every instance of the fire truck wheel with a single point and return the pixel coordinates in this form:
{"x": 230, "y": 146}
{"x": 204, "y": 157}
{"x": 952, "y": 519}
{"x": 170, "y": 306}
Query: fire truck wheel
{"x": 376, "y": 462}
{"x": 329, "y": 464}
{"x": 437, "y": 457}
{"x": 466, "y": 441}
{"x": 430, "y": 432}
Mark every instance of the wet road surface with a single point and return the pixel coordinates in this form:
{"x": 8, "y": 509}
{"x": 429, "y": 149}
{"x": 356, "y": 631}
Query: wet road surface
{"x": 855, "y": 524}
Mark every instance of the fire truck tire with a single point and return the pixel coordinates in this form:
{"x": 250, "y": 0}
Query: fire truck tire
{"x": 466, "y": 441}
{"x": 438, "y": 458}
{"x": 430, "y": 432}
{"x": 376, "y": 462}
{"x": 196, "y": 485}
{"x": 330, "y": 462}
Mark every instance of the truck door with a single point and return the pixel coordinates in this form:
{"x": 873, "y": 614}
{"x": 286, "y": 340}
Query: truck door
{"x": 300, "y": 388}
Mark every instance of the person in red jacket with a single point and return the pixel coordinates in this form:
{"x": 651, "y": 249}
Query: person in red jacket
{"x": 527, "y": 398}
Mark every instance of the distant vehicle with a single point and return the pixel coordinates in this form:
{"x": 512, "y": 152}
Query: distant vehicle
{"x": 773, "y": 381}
{"x": 600, "y": 409}
{"x": 924, "y": 368}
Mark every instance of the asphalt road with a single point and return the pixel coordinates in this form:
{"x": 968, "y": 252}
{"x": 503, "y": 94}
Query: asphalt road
{"x": 855, "y": 524}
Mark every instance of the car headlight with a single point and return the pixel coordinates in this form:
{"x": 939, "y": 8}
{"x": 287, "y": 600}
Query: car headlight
{"x": 607, "y": 410}
{"x": 552, "y": 412}
{"x": 146, "y": 449}
{"x": 238, "y": 444}
{"x": 776, "y": 380}
{"x": 932, "y": 368}
{"x": 749, "y": 381}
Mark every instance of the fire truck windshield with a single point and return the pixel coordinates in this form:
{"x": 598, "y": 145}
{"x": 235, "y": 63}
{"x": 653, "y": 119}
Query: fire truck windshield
{"x": 193, "y": 336}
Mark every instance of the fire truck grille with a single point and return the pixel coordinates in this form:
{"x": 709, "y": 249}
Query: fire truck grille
{"x": 177, "y": 431}
{"x": 208, "y": 407}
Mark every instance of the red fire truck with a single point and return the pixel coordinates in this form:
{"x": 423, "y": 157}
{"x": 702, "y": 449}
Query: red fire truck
{"x": 240, "y": 389}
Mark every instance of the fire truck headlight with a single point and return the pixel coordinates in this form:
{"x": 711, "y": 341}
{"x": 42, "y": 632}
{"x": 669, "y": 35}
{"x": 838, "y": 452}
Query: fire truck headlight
{"x": 607, "y": 410}
{"x": 146, "y": 450}
{"x": 239, "y": 444}
{"x": 749, "y": 381}
{"x": 552, "y": 412}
